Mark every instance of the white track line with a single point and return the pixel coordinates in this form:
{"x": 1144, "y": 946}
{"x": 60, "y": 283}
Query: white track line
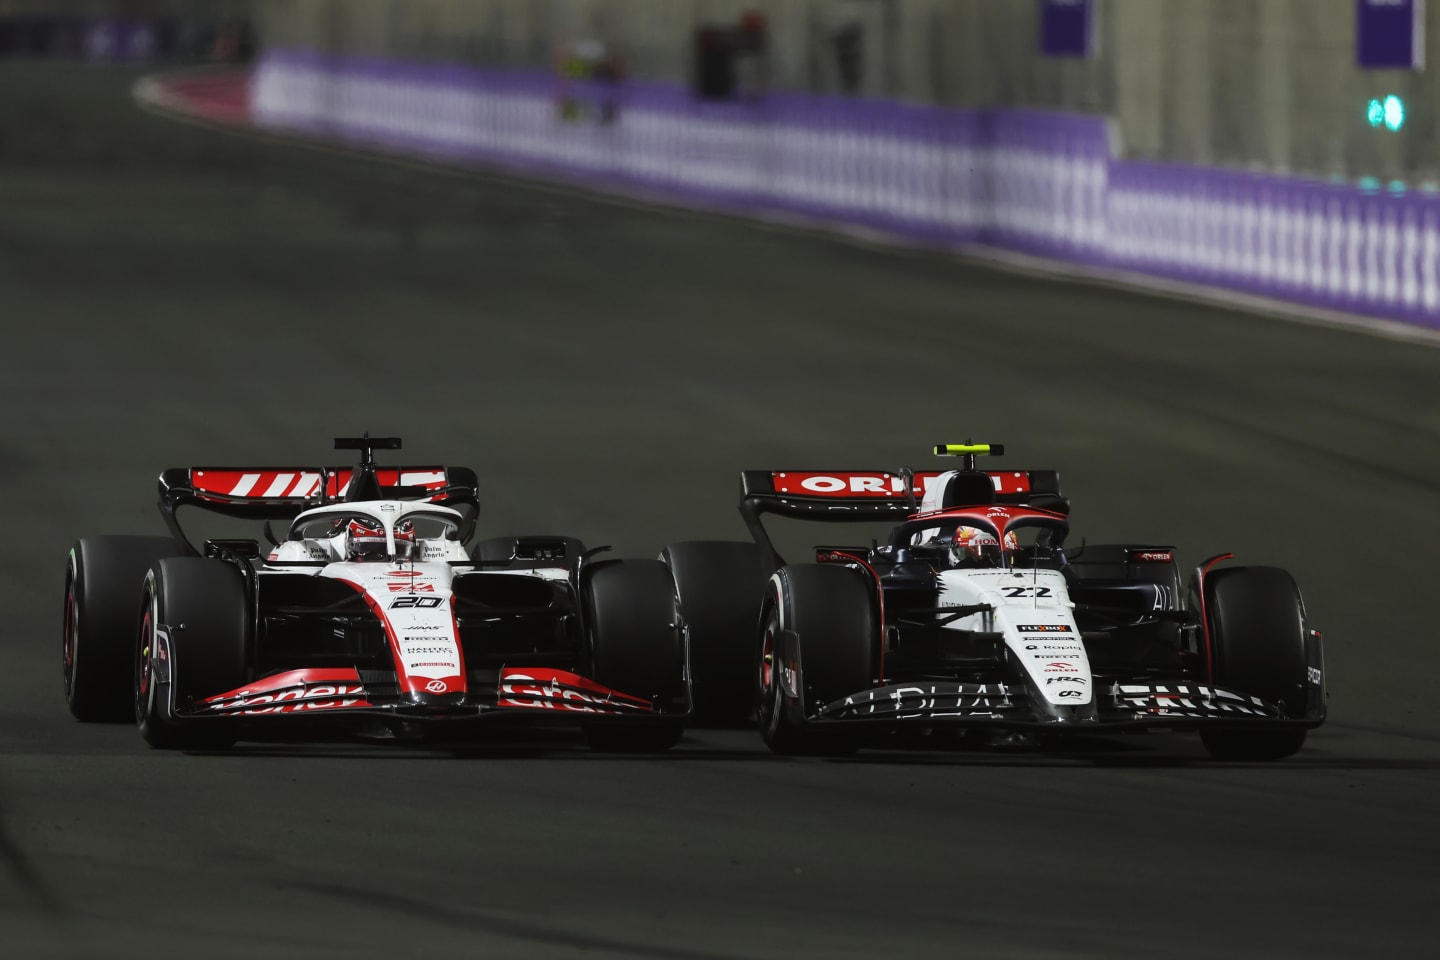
{"x": 150, "y": 94}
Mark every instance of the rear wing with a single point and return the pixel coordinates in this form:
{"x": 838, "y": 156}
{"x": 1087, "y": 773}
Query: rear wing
{"x": 857, "y": 496}
{"x": 281, "y": 493}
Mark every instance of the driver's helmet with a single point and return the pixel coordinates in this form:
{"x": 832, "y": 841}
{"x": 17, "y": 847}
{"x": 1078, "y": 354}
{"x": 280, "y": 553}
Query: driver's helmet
{"x": 973, "y": 547}
{"x": 365, "y": 540}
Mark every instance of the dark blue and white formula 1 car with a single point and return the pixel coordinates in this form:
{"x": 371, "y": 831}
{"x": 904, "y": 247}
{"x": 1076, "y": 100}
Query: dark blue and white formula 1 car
{"x": 369, "y": 615}
{"x": 974, "y": 613}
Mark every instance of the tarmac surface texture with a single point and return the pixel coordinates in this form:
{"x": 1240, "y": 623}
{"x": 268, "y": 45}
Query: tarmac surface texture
{"x": 172, "y": 295}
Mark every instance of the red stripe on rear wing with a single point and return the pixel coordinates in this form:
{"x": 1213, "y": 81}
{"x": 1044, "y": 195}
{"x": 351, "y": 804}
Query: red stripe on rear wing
{"x": 876, "y": 484}
{"x": 298, "y": 484}
{"x": 869, "y": 494}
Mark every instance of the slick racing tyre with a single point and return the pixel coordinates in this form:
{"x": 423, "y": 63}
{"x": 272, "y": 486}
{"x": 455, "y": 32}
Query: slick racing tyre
{"x": 721, "y": 585}
{"x": 202, "y": 608}
{"x": 819, "y": 622}
{"x": 1257, "y": 631}
{"x": 635, "y": 647}
{"x": 102, "y": 588}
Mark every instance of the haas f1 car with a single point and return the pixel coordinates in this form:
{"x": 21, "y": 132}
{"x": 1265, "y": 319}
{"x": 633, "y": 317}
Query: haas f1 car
{"x": 370, "y": 616}
{"x": 975, "y": 613}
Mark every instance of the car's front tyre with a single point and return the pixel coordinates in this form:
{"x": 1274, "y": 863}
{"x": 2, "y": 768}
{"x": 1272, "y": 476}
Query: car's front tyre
{"x": 819, "y": 634}
{"x": 1256, "y": 622}
{"x": 203, "y": 611}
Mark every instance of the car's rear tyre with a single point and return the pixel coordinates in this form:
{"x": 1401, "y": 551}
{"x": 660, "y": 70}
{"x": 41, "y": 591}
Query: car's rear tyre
{"x": 1256, "y": 622}
{"x": 822, "y": 619}
{"x": 721, "y": 584}
{"x": 102, "y": 586}
{"x": 204, "y": 611}
{"x": 632, "y": 622}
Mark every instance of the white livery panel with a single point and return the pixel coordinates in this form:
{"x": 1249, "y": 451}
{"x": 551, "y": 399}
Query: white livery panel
{"x": 1033, "y": 610}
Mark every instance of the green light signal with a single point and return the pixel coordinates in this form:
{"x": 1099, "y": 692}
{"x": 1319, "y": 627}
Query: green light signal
{"x": 1389, "y": 113}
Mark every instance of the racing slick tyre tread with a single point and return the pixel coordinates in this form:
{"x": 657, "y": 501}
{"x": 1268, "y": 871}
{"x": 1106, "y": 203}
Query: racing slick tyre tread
{"x": 203, "y": 604}
{"x": 1257, "y": 629}
{"x": 829, "y": 612}
{"x": 103, "y": 583}
{"x": 721, "y": 584}
{"x": 636, "y": 648}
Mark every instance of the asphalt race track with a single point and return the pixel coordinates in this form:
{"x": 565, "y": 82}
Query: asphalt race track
{"x": 173, "y": 295}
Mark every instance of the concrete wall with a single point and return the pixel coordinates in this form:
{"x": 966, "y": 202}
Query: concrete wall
{"x": 1253, "y": 84}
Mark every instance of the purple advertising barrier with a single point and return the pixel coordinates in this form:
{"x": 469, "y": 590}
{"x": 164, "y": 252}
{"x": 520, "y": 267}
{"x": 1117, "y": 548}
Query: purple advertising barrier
{"x": 1047, "y": 182}
{"x": 1038, "y": 183}
{"x": 1390, "y": 34}
{"x": 864, "y": 163}
{"x": 1335, "y": 247}
{"x": 1067, "y": 28}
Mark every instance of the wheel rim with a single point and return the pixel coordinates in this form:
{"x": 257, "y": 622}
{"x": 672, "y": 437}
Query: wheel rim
{"x": 772, "y": 694}
{"x": 767, "y": 663}
{"x": 144, "y": 655}
{"x": 71, "y": 624}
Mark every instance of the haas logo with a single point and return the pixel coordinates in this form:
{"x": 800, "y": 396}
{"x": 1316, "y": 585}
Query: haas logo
{"x": 436, "y": 686}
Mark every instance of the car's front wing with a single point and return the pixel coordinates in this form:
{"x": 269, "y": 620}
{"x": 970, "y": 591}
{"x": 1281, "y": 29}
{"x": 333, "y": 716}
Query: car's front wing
{"x": 542, "y": 692}
{"x": 1182, "y": 704}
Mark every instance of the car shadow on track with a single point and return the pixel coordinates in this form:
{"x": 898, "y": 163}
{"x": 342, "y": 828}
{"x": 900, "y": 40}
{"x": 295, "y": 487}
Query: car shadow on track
{"x": 1176, "y": 752}
{"x": 1089, "y": 755}
{"x": 550, "y": 745}
{"x": 1145, "y": 761}
{"x": 1338, "y": 750}
{"x": 888, "y": 758}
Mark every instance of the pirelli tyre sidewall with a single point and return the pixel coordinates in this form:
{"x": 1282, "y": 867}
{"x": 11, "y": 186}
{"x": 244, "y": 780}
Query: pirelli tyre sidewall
{"x": 818, "y": 643}
{"x": 632, "y": 628}
{"x": 103, "y": 580}
{"x": 194, "y": 641}
{"x": 1257, "y": 629}
{"x": 721, "y": 584}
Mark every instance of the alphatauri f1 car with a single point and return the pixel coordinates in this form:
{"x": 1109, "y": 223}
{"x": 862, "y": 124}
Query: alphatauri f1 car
{"x": 369, "y": 616}
{"x": 975, "y": 613}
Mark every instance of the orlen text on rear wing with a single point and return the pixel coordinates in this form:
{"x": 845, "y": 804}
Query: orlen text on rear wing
{"x": 281, "y": 493}
{"x": 858, "y": 496}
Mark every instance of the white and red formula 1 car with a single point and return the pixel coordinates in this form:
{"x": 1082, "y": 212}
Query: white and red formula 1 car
{"x": 369, "y": 616}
